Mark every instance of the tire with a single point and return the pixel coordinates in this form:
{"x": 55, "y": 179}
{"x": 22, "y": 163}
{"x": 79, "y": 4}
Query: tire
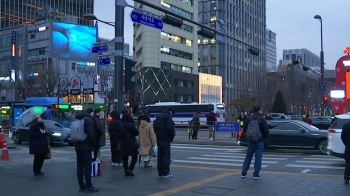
{"x": 322, "y": 146}
{"x": 16, "y": 138}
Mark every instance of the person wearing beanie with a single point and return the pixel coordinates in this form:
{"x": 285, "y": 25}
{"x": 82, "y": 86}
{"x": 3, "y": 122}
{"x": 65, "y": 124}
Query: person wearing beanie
{"x": 114, "y": 138}
{"x": 98, "y": 131}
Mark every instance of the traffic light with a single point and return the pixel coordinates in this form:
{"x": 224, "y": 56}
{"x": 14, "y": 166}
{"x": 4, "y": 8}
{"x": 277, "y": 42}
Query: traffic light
{"x": 325, "y": 98}
{"x": 305, "y": 68}
{"x": 297, "y": 63}
{"x": 55, "y": 106}
{"x": 172, "y": 20}
{"x": 129, "y": 64}
{"x": 206, "y": 33}
{"x": 61, "y": 106}
{"x": 253, "y": 51}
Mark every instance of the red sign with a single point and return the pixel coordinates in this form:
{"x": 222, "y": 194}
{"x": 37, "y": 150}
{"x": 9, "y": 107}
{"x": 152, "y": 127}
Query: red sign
{"x": 341, "y": 102}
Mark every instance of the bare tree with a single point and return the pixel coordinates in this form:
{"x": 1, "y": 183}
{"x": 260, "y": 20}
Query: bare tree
{"x": 22, "y": 84}
{"x": 51, "y": 82}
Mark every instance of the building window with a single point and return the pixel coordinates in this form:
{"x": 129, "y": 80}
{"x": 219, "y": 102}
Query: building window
{"x": 187, "y": 28}
{"x": 177, "y": 10}
{"x": 175, "y": 38}
{"x": 174, "y": 52}
{"x": 188, "y": 2}
{"x": 174, "y": 67}
{"x": 184, "y": 98}
{"x": 183, "y": 83}
{"x": 36, "y": 52}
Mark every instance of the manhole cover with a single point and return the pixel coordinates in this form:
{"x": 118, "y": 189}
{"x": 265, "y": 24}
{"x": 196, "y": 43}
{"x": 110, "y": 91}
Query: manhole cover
{"x": 213, "y": 191}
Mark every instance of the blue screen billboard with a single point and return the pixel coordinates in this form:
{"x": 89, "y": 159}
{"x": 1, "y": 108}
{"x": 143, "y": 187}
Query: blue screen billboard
{"x": 71, "y": 41}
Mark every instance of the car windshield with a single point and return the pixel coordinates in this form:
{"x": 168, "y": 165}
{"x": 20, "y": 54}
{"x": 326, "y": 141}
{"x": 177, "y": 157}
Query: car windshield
{"x": 52, "y": 124}
{"x": 338, "y": 123}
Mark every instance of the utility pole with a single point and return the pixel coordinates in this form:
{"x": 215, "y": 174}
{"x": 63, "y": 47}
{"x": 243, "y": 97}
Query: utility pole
{"x": 118, "y": 58}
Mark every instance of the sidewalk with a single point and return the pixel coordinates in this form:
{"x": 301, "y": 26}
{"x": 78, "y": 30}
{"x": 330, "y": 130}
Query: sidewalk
{"x": 60, "y": 179}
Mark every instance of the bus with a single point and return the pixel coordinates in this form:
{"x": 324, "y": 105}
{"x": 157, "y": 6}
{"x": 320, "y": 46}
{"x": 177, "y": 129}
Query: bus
{"x": 184, "y": 111}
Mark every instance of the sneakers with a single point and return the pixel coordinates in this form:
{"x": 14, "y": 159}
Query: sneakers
{"x": 346, "y": 181}
{"x": 118, "y": 164}
{"x": 168, "y": 176}
{"x": 243, "y": 176}
{"x": 211, "y": 138}
{"x": 113, "y": 164}
{"x": 256, "y": 177}
{"x": 91, "y": 190}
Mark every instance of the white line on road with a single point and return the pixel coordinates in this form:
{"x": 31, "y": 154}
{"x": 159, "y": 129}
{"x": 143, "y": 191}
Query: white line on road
{"x": 212, "y": 163}
{"x": 325, "y": 159}
{"x": 199, "y": 148}
{"x": 271, "y": 155}
{"x": 230, "y": 160}
{"x": 305, "y": 171}
{"x": 315, "y": 162}
{"x": 243, "y": 157}
{"x": 314, "y": 166}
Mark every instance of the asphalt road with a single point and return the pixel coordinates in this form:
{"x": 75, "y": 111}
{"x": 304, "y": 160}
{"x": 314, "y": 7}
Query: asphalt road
{"x": 231, "y": 157}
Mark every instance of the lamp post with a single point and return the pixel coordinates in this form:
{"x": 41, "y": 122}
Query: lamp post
{"x": 118, "y": 51}
{"x": 318, "y": 17}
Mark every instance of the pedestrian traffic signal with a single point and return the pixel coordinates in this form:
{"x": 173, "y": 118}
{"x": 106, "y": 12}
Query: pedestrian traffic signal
{"x": 129, "y": 74}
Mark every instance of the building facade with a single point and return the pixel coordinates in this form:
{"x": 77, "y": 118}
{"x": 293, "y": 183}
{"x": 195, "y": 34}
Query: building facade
{"x": 271, "y": 50}
{"x": 210, "y": 88}
{"x": 306, "y": 56}
{"x": 14, "y": 13}
{"x": 243, "y": 74}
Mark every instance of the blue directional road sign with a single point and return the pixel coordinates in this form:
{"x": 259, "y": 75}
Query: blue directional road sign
{"x": 147, "y": 20}
{"x": 97, "y": 49}
{"x": 227, "y": 127}
{"x": 104, "y": 61}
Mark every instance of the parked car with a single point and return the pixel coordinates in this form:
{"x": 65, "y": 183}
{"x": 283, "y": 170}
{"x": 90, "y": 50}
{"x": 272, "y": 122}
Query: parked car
{"x": 56, "y": 133}
{"x": 322, "y": 122}
{"x": 279, "y": 116}
{"x": 292, "y": 134}
{"x": 336, "y": 146}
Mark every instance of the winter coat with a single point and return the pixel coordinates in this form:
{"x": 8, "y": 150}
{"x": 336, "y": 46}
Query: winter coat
{"x": 113, "y": 132}
{"x": 127, "y": 133}
{"x": 38, "y": 141}
{"x": 164, "y": 127}
{"x": 97, "y": 127}
{"x": 195, "y": 124}
{"x": 147, "y": 138}
{"x": 345, "y": 137}
{"x": 211, "y": 118}
{"x": 89, "y": 143}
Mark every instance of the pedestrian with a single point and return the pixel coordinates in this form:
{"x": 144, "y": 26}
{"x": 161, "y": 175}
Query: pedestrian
{"x": 268, "y": 116}
{"x": 98, "y": 131}
{"x": 195, "y": 123}
{"x": 127, "y": 133}
{"x": 38, "y": 145}
{"x": 139, "y": 116}
{"x": 164, "y": 128}
{"x": 84, "y": 151}
{"x": 345, "y": 137}
{"x": 147, "y": 140}
{"x": 307, "y": 119}
{"x": 114, "y": 138}
{"x": 210, "y": 122}
{"x": 256, "y": 131}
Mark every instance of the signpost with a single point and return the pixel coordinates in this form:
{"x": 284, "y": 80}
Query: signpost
{"x": 98, "y": 49}
{"x": 146, "y": 19}
{"x": 104, "y": 61}
{"x": 227, "y": 127}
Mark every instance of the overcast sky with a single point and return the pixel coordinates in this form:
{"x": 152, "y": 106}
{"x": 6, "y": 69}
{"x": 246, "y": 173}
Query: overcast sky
{"x": 292, "y": 21}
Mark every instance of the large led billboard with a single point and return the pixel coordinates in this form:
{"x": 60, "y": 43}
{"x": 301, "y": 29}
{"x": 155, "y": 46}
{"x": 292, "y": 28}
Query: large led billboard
{"x": 71, "y": 41}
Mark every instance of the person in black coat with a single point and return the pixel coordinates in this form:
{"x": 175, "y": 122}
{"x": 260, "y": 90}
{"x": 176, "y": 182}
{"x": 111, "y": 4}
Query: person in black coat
{"x": 84, "y": 151}
{"x": 164, "y": 128}
{"x": 345, "y": 137}
{"x": 38, "y": 145}
{"x": 114, "y": 138}
{"x": 127, "y": 133}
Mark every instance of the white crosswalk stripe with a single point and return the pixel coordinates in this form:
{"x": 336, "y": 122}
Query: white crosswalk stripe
{"x": 319, "y": 162}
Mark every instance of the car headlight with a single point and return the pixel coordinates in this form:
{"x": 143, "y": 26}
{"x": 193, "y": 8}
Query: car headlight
{"x": 57, "y": 134}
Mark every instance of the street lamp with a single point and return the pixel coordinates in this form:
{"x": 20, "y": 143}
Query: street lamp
{"x": 93, "y": 17}
{"x": 318, "y": 17}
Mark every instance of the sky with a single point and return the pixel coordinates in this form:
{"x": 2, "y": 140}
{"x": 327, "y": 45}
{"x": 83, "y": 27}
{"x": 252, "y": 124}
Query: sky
{"x": 292, "y": 20}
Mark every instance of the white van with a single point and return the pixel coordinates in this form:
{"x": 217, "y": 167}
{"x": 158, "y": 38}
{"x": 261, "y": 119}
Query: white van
{"x": 336, "y": 146}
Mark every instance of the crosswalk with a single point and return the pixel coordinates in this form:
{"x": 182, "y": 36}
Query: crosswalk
{"x": 234, "y": 157}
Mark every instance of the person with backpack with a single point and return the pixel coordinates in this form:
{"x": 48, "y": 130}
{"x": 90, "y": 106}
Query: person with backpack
{"x": 98, "y": 131}
{"x": 82, "y": 135}
{"x": 210, "y": 122}
{"x": 255, "y": 131}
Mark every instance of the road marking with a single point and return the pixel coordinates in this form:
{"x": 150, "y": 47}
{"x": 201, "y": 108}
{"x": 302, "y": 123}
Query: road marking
{"x": 209, "y": 146}
{"x": 270, "y": 155}
{"x": 316, "y": 162}
{"x": 243, "y": 157}
{"x": 324, "y": 159}
{"x": 314, "y": 166}
{"x": 193, "y": 184}
{"x": 212, "y": 163}
{"x": 305, "y": 171}
{"x": 199, "y": 148}
{"x": 230, "y": 160}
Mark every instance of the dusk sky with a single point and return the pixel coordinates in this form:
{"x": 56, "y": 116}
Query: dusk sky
{"x": 293, "y": 21}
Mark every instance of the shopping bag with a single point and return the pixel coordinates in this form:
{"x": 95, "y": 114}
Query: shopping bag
{"x": 96, "y": 168}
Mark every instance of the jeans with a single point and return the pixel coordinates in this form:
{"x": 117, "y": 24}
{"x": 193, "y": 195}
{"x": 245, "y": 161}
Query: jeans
{"x": 194, "y": 134}
{"x": 347, "y": 170}
{"x": 84, "y": 166}
{"x": 163, "y": 159}
{"x": 38, "y": 162}
{"x": 132, "y": 164}
{"x": 257, "y": 148}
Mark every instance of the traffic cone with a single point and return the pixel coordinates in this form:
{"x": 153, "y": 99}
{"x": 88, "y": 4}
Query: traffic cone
{"x": 5, "y": 153}
{"x": 2, "y": 138}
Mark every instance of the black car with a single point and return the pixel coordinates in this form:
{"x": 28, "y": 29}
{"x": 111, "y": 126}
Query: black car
{"x": 56, "y": 133}
{"x": 293, "y": 134}
{"x": 322, "y": 122}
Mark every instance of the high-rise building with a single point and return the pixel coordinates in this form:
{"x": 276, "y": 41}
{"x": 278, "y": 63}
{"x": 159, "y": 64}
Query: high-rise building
{"x": 26, "y": 12}
{"x": 244, "y": 75}
{"x": 159, "y": 53}
{"x": 271, "y": 50}
{"x": 306, "y": 57}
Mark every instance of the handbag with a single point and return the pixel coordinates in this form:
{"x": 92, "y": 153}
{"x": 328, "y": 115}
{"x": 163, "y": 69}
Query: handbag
{"x": 137, "y": 144}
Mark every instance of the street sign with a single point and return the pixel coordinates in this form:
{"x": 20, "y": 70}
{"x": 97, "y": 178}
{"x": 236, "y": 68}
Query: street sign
{"x": 104, "y": 61}
{"x": 146, "y": 19}
{"x": 227, "y": 127}
{"x": 97, "y": 49}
